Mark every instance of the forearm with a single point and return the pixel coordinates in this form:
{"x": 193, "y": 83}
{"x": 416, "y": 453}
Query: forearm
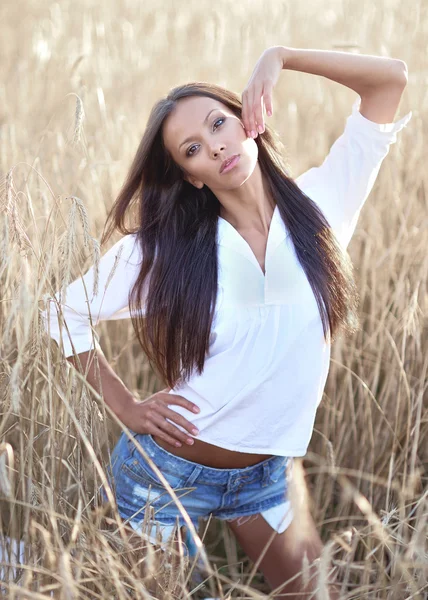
{"x": 104, "y": 380}
{"x": 359, "y": 72}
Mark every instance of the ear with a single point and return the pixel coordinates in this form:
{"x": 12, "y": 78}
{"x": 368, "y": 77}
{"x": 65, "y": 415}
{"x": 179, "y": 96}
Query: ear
{"x": 196, "y": 182}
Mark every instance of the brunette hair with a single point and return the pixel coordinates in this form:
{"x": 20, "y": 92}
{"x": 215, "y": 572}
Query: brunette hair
{"x": 176, "y": 227}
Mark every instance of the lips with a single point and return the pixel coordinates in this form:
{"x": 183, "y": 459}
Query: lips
{"x": 227, "y": 162}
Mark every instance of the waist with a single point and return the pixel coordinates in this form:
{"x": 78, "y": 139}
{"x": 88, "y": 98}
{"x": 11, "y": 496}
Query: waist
{"x": 210, "y": 455}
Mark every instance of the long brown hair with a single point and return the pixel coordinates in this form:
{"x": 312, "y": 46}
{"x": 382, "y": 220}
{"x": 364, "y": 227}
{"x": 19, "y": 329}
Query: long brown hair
{"x": 176, "y": 227}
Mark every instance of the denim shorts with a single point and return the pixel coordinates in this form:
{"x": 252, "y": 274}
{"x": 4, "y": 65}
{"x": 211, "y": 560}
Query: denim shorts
{"x": 226, "y": 494}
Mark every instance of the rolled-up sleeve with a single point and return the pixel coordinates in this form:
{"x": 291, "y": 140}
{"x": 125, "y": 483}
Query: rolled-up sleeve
{"x": 82, "y": 309}
{"x": 342, "y": 183}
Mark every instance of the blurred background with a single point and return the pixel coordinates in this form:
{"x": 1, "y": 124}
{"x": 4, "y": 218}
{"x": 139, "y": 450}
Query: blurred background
{"x": 78, "y": 82}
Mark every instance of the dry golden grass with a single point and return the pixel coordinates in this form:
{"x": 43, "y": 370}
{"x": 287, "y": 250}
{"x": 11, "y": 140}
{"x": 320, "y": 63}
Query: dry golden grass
{"x": 79, "y": 81}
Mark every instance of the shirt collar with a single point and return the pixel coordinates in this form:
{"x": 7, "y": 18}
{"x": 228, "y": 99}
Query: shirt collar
{"x": 228, "y": 236}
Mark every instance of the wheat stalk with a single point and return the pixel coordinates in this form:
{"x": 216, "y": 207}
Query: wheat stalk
{"x": 78, "y": 121}
{"x": 5, "y": 485}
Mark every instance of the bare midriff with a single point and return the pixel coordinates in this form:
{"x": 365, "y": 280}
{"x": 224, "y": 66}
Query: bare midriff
{"x": 212, "y": 456}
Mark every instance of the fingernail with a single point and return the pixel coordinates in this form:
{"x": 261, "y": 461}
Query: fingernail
{"x": 269, "y": 112}
{"x": 196, "y": 409}
{"x": 260, "y": 128}
{"x": 177, "y": 444}
{"x": 195, "y": 431}
{"x": 253, "y": 133}
{"x": 189, "y": 441}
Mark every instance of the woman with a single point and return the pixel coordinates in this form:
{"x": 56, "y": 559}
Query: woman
{"x": 237, "y": 280}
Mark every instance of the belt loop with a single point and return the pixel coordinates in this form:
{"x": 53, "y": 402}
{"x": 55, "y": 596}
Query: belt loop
{"x": 266, "y": 474}
{"x": 194, "y": 475}
{"x": 131, "y": 444}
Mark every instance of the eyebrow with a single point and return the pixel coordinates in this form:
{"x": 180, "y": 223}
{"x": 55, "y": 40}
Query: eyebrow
{"x": 189, "y": 139}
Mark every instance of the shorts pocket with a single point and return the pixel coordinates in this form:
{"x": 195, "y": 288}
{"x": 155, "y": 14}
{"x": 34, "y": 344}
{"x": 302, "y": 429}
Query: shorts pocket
{"x": 138, "y": 469}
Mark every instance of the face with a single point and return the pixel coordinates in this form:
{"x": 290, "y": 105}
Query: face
{"x": 200, "y": 134}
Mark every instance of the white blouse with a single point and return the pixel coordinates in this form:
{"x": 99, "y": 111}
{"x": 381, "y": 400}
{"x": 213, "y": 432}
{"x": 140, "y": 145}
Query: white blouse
{"x": 267, "y": 364}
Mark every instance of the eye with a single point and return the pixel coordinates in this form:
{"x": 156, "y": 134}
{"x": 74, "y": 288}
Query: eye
{"x": 215, "y": 123}
{"x": 220, "y": 119}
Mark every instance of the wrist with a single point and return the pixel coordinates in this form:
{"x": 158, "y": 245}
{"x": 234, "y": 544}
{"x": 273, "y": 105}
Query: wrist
{"x": 122, "y": 405}
{"x": 285, "y": 54}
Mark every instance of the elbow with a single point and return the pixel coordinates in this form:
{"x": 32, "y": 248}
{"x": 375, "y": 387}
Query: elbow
{"x": 402, "y": 73}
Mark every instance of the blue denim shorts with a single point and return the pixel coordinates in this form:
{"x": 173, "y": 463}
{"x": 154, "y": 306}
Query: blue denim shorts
{"x": 227, "y": 494}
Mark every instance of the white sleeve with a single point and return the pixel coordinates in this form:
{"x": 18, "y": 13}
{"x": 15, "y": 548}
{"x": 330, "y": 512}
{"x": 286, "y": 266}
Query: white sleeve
{"x": 342, "y": 183}
{"x": 80, "y": 304}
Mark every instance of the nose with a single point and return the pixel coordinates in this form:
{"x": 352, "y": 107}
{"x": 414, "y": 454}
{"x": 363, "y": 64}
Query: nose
{"x": 217, "y": 149}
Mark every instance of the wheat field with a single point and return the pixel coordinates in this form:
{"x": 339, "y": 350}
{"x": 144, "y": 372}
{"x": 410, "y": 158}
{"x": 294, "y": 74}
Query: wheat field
{"x": 79, "y": 80}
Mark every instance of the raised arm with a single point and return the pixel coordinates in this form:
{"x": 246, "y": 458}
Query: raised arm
{"x": 378, "y": 80}
{"x": 342, "y": 183}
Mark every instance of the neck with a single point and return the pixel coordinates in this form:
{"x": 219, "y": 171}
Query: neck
{"x": 249, "y": 207}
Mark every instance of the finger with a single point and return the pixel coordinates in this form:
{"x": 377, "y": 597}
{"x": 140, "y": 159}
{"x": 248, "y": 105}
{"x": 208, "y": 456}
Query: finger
{"x": 254, "y": 101}
{"x": 174, "y": 416}
{"x": 177, "y": 399}
{"x": 244, "y": 112}
{"x": 153, "y": 430}
{"x": 258, "y": 112}
{"x": 251, "y": 113}
{"x": 267, "y": 96}
{"x": 163, "y": 424}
